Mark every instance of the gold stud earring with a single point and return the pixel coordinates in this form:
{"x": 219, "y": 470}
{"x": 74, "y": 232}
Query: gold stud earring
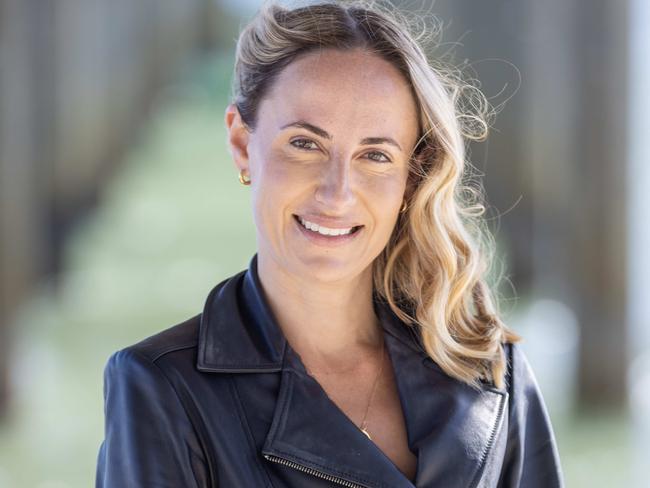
{"x": 242, "y": 180}
{"x": 404, "y": 207}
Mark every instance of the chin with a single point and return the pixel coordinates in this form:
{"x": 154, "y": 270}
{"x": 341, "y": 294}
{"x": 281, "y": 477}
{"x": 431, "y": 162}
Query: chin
{"x": 329, "y": 268}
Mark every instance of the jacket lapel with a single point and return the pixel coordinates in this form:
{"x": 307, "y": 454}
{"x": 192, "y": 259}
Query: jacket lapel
{"x": 309, "y": 429}
{"x": 450, "y": 427}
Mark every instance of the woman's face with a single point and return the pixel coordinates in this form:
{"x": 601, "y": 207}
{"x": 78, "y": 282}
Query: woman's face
{"x": 331, "y": 148}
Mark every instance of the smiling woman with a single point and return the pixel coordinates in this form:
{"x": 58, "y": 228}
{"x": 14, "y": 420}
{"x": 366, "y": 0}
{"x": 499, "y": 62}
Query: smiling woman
{"x": 361, "y": 347}
{"x": 325, "y": 146}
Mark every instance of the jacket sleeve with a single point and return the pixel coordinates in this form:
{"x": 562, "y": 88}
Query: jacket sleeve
{"x": 149, "y": 440}
{"x": 531, "y": 457}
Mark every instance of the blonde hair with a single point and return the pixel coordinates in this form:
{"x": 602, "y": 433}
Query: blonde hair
{"x": 433, "y": 270}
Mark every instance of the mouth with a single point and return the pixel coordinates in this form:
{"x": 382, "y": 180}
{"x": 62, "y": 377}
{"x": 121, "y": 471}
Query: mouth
{"x": 320, "y": 231}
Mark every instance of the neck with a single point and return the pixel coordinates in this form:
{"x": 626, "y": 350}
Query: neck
{"x": 329, "y": 323}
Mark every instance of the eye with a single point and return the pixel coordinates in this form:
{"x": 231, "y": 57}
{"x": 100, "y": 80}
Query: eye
{"x": 303, "y": 144}
{"x": 380, "y": 155}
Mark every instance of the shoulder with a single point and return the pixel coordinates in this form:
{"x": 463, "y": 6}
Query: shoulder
{"x": 520, "y": 378}
{"x": 178, "y": 337}
{"x": 526, "y": 404}
{"x": 531, "y": 457}
{"x": 147, "y": 415}
{"x": 178, "y": 342}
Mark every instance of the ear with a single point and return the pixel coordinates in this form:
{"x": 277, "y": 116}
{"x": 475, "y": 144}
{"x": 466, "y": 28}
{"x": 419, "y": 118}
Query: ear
{"x": 238, "y": 137}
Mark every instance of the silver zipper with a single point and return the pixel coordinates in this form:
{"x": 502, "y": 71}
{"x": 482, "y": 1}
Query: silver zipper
{"x": 312, "y": 471}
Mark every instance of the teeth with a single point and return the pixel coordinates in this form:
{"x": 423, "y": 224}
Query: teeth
{"x": 326, "y": 231}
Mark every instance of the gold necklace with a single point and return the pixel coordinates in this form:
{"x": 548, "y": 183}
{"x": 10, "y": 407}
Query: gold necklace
{"x": 372, "y": 393}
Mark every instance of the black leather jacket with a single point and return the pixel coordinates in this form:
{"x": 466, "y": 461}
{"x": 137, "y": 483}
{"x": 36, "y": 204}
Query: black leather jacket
{"x": 222, "y": 400}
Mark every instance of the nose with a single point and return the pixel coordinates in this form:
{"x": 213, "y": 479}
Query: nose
{"x": 334, "y": 189}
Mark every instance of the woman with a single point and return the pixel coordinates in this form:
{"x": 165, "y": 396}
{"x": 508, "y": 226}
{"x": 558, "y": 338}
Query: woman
{"x": 361, "y": 347}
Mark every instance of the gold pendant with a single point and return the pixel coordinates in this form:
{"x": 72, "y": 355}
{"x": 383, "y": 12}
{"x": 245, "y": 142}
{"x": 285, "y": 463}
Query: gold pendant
{"x": 366, "y": 432}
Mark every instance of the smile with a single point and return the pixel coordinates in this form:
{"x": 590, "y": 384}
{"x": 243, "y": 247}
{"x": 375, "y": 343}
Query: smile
{"x": 326, "y": 231}
{"x": 321, "y": 234}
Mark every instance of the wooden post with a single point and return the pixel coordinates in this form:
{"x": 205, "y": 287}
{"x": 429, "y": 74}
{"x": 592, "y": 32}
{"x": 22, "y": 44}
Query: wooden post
{"x": 578, "y": 73}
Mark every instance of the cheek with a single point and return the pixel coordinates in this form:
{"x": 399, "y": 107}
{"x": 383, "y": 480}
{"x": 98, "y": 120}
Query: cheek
{"x": 276, "y": 187}
{"x": 385, "y": 196}
{"x": 386, "y": 191}
{"x": 281, "y": 168}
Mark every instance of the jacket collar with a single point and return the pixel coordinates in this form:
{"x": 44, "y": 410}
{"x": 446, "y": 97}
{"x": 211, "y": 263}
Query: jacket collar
{"x": 450, "y": 427}
{"x": 239, "y": 333}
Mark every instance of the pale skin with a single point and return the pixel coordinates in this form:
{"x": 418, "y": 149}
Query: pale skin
{"x": 321, "y": 295}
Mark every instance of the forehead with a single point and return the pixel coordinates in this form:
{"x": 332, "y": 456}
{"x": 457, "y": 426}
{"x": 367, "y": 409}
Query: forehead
{"x": 339, "y": 86}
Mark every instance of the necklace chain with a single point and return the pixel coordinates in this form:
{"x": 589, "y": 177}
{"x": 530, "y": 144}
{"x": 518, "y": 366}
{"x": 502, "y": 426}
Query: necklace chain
{"x": 372, "y": 393}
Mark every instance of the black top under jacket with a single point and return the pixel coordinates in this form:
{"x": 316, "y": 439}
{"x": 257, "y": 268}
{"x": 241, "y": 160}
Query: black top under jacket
{"x": 222, "y": 400}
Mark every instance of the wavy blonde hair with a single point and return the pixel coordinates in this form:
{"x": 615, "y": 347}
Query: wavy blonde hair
{"x": 433, "y": 270}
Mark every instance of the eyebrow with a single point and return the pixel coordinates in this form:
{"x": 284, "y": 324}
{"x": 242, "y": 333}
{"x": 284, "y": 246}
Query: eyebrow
{"x": 323, "y": 133}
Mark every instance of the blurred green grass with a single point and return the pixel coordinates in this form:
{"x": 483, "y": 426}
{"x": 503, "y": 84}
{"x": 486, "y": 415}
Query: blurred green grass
{"x": 173, "y": 222}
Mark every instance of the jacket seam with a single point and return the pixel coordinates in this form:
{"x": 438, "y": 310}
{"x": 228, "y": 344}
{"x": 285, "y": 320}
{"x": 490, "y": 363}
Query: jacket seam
{"x": 189, "y": 417}
{"x": 235, "y": 367}
{"x": 178, "y": 347}
{"x": 246, "y": 425}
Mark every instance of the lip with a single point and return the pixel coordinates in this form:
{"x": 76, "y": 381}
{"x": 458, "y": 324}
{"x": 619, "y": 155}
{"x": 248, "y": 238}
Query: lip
{"x": 326, "y": 241}
{"x": 329, "y": 222}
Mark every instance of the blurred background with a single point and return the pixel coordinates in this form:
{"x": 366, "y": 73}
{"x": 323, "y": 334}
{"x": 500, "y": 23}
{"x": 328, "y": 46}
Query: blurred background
{"x": 120, "y": 207}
